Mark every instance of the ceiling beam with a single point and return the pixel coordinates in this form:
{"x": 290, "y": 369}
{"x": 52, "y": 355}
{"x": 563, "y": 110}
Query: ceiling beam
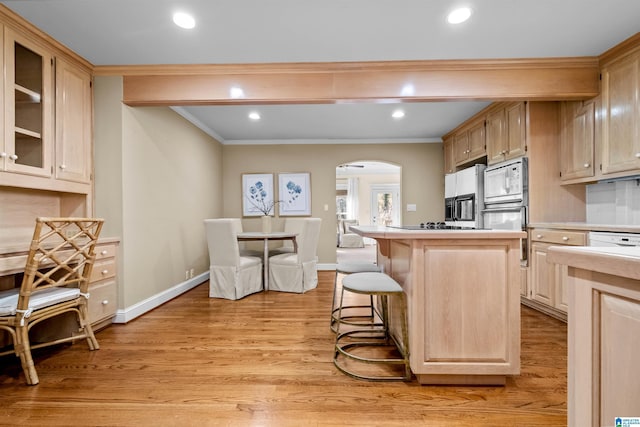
{"x": 488, "y": 80}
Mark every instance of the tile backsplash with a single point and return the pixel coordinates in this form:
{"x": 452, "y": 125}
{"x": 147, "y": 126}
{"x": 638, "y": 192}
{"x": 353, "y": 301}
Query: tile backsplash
{"x": 614, "y": 203}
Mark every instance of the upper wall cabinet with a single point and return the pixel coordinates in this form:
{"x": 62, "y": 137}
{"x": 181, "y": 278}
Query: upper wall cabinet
{"x": 577, "y": 140}
{"x": 73, "y": 122}
{"x": 28, "y": 112}
{"x": 449, "y": 163}
{"x": 506, "y": 132}
{"x": 621, "y": 115}
{"x": 470, "y": 143}
{"x": 47, "y": 112}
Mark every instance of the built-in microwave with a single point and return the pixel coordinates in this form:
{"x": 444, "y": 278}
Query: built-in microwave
{"x": 506, "y": 182}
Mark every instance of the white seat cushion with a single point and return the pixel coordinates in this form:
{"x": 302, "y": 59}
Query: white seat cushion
{"x": 38, "y": 300}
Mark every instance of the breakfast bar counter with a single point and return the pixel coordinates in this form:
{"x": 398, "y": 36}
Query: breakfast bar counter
{"x": 463, "y": 295}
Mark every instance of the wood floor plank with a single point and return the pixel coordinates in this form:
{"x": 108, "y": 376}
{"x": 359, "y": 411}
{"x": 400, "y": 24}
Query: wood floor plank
{"x": 265, "y": 360}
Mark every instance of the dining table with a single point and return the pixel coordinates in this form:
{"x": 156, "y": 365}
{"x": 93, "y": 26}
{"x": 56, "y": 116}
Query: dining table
{"x": 266, "y": 237}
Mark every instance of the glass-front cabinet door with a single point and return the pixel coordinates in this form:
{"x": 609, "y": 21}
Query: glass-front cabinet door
{"x": 28, "y": 106}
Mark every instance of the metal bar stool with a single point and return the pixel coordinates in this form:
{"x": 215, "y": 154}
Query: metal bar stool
{"x": 346, "y": 268}
{"x": 384, "y": 287}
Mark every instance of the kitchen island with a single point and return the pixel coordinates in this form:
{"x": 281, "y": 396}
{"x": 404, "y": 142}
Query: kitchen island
{"x": 604, "y": 325}
{"x": 463, "y": 298}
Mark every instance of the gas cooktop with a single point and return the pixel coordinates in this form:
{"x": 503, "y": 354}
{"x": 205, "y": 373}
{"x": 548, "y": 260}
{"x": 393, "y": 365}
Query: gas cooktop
{"x": 431, "y": 226}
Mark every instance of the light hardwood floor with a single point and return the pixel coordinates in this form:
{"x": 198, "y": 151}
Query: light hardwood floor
{"x": 265, "y": 360}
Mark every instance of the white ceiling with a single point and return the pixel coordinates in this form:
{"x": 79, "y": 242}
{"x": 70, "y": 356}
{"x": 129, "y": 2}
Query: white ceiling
{"x": 135, "y": 32}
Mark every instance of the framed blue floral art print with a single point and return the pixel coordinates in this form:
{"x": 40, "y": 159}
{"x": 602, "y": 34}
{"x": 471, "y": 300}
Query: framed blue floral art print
{"x": 257, "y": 194}
{"x": 294, "y": 191}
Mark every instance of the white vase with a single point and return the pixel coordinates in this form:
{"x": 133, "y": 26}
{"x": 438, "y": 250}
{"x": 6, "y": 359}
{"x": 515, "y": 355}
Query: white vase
{"x": 266, "y": 224}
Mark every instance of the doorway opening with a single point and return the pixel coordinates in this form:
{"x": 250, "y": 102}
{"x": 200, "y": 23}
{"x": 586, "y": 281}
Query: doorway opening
{"x": 367, "y": 193}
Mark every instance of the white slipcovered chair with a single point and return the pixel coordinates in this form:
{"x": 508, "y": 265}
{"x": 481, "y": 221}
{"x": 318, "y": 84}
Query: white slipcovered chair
{"x": 297, "y": 272}
{"x": 347, "y": 238}
{"x": 231, "y": 275}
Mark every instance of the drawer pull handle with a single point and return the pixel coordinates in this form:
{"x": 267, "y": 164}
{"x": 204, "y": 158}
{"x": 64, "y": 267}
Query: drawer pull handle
{"x": 105, "y": 302}
{"x": 104, "y": 252}
{"x": 63, "y": 167}
{"x": 586, "y": 165}
{"x": 565, "y": 238}
{"x": 637, "y": 155}
{"x": 105, "y": 271}
{"x": 538, "y": 236}
{"x": 13, "y": 157}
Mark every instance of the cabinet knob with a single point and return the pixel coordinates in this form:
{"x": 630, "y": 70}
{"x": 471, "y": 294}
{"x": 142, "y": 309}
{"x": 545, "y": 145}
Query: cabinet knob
{"x": 565, "y": 238}
{"x": 105, "y": 271}
{"x": 503, "y": 152}
{"x": 13, "y": 157}
{"x": 538, "y": 236}
{"x": 638, "y": 155}
{"x": 63, "y": 167}
{"x": 3, "y": 154}
{"x": 104, "y": 252}
{"x": 105, "y": 302}
{"x": 586, "y": 165}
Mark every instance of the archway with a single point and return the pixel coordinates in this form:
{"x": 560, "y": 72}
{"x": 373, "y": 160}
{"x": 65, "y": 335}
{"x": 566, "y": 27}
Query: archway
{"x": 367, "y": 193}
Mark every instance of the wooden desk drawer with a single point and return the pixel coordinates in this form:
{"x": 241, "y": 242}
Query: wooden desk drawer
{"x": 103, "y": 270}
{"x": 102, "y": 300}
{"x": 105, "y": 251}
{"x": 562, "y": 237}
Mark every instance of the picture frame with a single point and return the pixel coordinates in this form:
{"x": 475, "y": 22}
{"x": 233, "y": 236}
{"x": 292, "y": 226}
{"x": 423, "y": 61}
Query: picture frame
{"x": 257, "y": 194}
{"x": 294, "y": 191}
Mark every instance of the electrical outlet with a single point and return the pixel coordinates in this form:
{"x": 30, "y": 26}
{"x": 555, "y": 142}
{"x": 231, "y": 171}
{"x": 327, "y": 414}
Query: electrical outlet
{"x": 191, "y": 273}
{"x": 186, "y": 274}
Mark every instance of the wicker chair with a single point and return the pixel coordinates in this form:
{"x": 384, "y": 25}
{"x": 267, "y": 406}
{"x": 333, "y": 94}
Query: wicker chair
{"x": 56, "y": 280}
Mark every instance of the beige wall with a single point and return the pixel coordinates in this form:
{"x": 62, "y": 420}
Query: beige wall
{"x": 157, "y": 178}
{"x": 422, "y": 179}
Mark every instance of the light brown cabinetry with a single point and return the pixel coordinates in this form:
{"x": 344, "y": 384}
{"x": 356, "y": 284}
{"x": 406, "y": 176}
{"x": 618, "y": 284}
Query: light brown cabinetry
{"x": 506, "y": 132}
{"x": 577, "y": 140}
{"x": 46, "y": 124}
{"x": 28, "y": 106}
{"x": 73, "y": 122}
{"x": 548, "y": 288}
{"x": 621, "y": 115}
{"x": 449, "y": 163}
{"x": 470, "y": 143}
{"x": 604, "y": 325}
{"x": 103, "y": 288}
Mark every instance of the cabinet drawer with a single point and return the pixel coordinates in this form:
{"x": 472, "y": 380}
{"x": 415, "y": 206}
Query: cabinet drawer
{"x": 102, "y": 300}
{"x": 105, "y": 251}
{"x": 103, "y": 270}
{"x": 562, "y": 237}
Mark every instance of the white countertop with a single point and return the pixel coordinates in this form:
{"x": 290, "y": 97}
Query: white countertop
{"x": 381, "y": 232}
{"x": 586, "y": 226}
{"x": 618, "y": 261}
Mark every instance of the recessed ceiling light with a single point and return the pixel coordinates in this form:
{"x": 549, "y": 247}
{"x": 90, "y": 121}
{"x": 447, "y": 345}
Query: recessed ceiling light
{"x": 184, "y": 20}
{"x": 254, "y": 115}
{"x": 236, "y": 92}
{"x": 459, "y": 15}
{"x": 408, "y": 90}
{"x": 398, "y": 114}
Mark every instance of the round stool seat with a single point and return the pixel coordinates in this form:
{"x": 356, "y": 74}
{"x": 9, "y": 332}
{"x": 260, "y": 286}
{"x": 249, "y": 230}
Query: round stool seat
{"x": 370, "y": 283}
{"x": 353, "y": 317}
{"x": 356, "y": 267}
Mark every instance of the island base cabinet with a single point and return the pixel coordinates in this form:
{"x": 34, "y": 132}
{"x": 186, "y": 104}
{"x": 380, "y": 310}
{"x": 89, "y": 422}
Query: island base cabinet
{"x": 604, "y": 326}
{"x": 464, "y": 322}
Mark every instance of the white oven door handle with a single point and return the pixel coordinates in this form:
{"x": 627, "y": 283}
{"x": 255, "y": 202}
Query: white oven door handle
{"x": 509, "y": 209}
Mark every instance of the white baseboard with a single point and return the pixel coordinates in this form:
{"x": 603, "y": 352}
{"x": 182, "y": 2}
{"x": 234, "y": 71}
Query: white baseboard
{"x": 326, "y": 267}
{"x": 138, "y": 309}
